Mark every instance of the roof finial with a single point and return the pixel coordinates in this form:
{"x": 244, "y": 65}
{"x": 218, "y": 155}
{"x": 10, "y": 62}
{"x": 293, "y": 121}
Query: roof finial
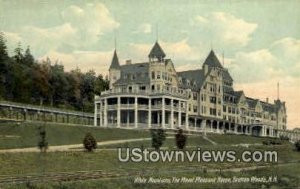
{"x": 156, "y": 32}
{"x": 277, "y": 90}
{"x": 223, "y": 58}
{"x": 115, "y": 39}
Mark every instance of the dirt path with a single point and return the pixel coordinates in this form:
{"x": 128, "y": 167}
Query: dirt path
{"x": 72, "y": 147}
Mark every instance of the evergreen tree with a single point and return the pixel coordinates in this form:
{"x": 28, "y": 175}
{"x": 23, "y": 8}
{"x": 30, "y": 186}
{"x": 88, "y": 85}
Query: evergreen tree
{"x": 180, "y": 139}
{"x": 18, "y": 57}
{"x": 28, "y": 58}
{"x": 158, "y": 138}
{"x": 42, "y": 144}
{"x": 3, "y": 49}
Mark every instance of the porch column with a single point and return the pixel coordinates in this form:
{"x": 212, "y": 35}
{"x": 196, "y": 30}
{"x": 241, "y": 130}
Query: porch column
{"x": 149, "y": 113}
{"x": 135, "y": 112}
{"x": 105, "y": 112}
{"x": 127, "y": 118}
{"x": 163, "y": 116}
{"x": 195, "y": 124}
{"x": 100, "y": 114}
{"x": 119, "y": 112}
{"x": 211, "y": 126}
{"x": 95, "y": 115}
{"x": 179, "y": 114}
{"x": 172, "y": 113}
{"x": 218, "y": 127}
{"x": 186, "y": 116}
{"x": 235, "y": 128}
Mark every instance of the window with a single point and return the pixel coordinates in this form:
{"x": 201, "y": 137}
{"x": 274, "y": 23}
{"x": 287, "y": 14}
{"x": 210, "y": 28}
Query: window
{"x": 142, "y": 87}
{"x": 195, "y": 96}
{"x": 219, "y": 100}
{"x": 158, "y": 75}
{"x": 224, "y": 108}
{"x": 212, "y": 111}
{"x": 212, "y": 99}
{"x": 195, "y": 108}
{"x": 153, "y": 75}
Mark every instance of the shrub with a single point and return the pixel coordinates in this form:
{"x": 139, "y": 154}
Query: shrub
{"x": 297, "y": 145}
{"x": 158, "y": 138}
{"x": 89, "y": 142}
{"x": 42, "y": 144}
{"x": 284, "y": 137}
{"x": 180, "y": 139}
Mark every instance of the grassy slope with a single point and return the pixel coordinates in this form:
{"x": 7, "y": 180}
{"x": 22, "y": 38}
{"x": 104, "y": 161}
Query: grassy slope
{"x": 36, "y": 163}
{"x": 59, "y": 134}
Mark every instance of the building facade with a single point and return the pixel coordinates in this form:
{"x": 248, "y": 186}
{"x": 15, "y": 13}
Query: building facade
{"x": 152, "y": 94}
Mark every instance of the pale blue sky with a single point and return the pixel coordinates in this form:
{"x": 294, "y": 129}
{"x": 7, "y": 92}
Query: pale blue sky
{"x": 260, "y": 38}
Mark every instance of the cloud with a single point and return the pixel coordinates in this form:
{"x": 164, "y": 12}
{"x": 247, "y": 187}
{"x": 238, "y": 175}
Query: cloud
{"x": 81, "y": 30}
{"x": 144, "y": 28}
{"x": 287, "y": 51}
{"x": 225, "y": 28}
{"x": 253, "y": 66}
{"x": 177, "y": 51}
{"x": 279, "y": 60}
{"x": 90, "y": 21}
{"x": 85, "y": 60}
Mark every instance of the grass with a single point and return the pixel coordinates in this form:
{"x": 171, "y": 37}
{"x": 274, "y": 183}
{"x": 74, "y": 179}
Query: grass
{"x": 26, "y": 134}
{"x": 36, "y": 163}
{"x": 53, "y": 162}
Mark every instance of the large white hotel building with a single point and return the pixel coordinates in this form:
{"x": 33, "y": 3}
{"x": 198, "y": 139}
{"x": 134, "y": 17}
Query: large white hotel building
{"x": 152, "y": 94}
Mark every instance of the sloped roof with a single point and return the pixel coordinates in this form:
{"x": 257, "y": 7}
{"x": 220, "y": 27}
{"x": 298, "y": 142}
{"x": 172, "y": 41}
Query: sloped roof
{"x": 226, "y": 75}
{"x": 268, "y": 107}
{"x": 251, "y": 102}
{"x": 238, "y": 94}
{"x": 115, "y": 62}
{"x": 139, "y": 70}
{"x": 193, "y": 76}
{"x": 212, "y": 60}
{"x": 156, "y": 51}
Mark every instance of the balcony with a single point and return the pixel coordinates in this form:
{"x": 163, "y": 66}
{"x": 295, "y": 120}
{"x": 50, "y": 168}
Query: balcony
{"x": 170, "y": 91}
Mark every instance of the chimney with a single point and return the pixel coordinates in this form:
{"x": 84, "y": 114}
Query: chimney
{"x": 267, "y": 100}
{"x": 128, "y": 62}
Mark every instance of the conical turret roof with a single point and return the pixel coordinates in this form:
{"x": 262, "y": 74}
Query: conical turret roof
{"x": 115, "y": 62}
{"x": 212, "y": 60}
{"x": 156, "y": 52}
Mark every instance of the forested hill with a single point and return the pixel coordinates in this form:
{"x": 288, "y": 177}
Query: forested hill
{"x": 24, "y": 79}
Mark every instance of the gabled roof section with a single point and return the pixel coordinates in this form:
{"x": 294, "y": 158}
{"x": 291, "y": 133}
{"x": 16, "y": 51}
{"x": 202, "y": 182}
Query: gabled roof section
{"x": 138, "y": 70}
{"x": 227, "y": 76}
{"x": 251, "y": 102}
{"x": 212, "y": 60}
{"x": 156, "y": 52}
{"x": 238, "y": 95}
{"x": 268, "y": 107}
{"x": 115, "y": 62}
{"x": 192, "y": 76}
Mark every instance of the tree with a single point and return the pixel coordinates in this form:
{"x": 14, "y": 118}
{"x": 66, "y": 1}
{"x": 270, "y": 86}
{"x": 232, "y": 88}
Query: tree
{"x": 42, "y": 144}
{"x": 3, "y": 49}
{"x": 297, "y": 145}
{"x": 158, "y": 138}
{"x": 18, "y": 57}
{"x": 180, "y": 139}
{"x": 101, "y": 84}
{"x": 28, "y": 58}
{"x": 3, "y": 61}
{"x": 89, "y": 142}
